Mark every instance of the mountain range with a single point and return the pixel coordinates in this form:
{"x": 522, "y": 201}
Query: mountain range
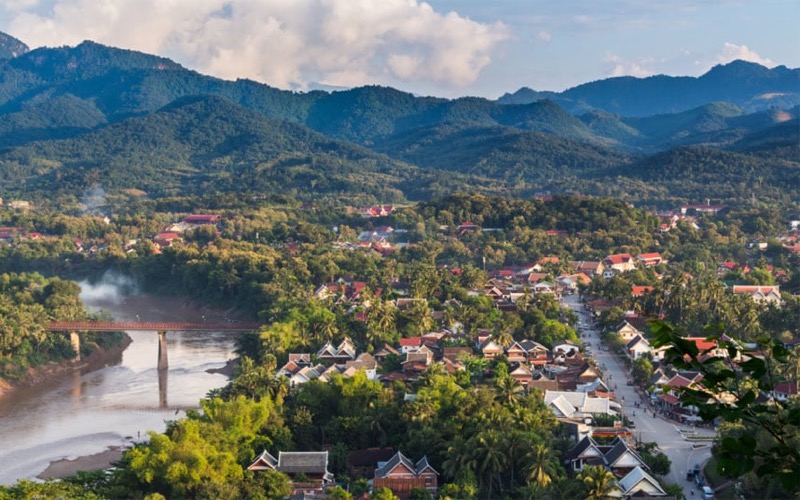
{"x": 92, "y": 114}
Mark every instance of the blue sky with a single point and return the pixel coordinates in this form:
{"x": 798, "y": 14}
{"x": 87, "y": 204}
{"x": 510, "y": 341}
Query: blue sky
{"x": 442, "y": 47}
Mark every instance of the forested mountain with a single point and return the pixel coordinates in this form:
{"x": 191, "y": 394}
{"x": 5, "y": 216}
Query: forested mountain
{"x": 198, "y": 145}
{"x": 699, "y": 172}
{"x": 75, "y": 116}
{"x": 749, "y": 85}
{"x": 11, "y": 47}
{"x": 500, "y": 152}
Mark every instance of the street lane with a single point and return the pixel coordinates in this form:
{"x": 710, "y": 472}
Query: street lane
{"x": 668, "y": 435}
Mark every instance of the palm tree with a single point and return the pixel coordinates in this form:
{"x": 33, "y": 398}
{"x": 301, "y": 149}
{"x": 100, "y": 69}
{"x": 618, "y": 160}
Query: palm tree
{"x": 504, "y": 338}
{"x": 430, "y": 374}
{"x": 509, "y": 390}
{"x": 599, "y": 482}
{"x": 566, "y": 489}
{"x": 461, "y": 455}
{"x": 492, "y": 459}
{"x": 541, "y": 469}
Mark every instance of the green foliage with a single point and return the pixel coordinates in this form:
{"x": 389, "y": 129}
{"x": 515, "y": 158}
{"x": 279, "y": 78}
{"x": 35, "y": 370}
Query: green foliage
{"x": 28, "y": 302}
{"x": 769, "y": 444}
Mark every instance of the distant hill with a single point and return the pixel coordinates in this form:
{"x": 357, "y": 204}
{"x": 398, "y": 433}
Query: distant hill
{"x": 10, "y": 47}
{"x": 501, "y": 153}
{"x": 208, "y": 144}
{"x": 71, "y": 117}
{"x": 748, "y": 85}
{"x": 697, "y": 172}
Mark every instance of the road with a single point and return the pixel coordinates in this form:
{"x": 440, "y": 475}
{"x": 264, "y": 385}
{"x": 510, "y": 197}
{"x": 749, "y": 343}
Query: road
{"x": 668, "y": 435}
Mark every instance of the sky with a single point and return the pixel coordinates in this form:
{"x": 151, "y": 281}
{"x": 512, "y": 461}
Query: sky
{"x": 447, "y": 48}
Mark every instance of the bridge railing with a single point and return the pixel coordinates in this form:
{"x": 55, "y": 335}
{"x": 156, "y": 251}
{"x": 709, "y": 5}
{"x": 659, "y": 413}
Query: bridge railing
{"x": 149, "y": 326}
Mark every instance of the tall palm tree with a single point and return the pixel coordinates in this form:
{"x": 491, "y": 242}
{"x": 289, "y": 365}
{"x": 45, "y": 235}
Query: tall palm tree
{"x": 461, "y": 455}
{"x": 540, "y": 469}
{"x": 492, "y": 459}
{"x": 599, "y": 482}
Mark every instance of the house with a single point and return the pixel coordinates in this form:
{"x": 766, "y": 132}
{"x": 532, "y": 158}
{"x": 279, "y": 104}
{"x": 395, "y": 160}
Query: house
{"x": 571, "y": 282}
{"x": 365, "y": 361}
{"x": 401, "y": 475}
{"x": 618, "y": 456}
{"x": 491, "y": 349}
{"x": 310, "y": 466}
{"x": 166, "y": 239}
{"x": 522, "y": 374}
{"x": 516, "y": 353}
{"x": 566, "y": 404}
{"x": 565, "y": 347}
{"x": 620, "y": 262}
{"x": 376, "y": 211}
{"x": 341, "y": 354}
{"x": 201, "y": 219}
{"x": 586, "y": 452}
{"x": 621, "y": 458}
{"x": 383, "y": 352}
{"x": 417, "y": 362}
{"x": 641, "y": 290}
{"x": 627, "y": 331}
{"x": 707, "y": 209}
{"x": 651, "y": 259}
{"x": 785, "y": 390}
{"x": 760, "y": 294}
{"x": 638, "y": 483}
{"x": 410, "y": 344}
{"x": 589, "y": 268}
{"x": 456, "y": 353}
{"x": 638, "y": 347}
{"x": 534, "y": 349}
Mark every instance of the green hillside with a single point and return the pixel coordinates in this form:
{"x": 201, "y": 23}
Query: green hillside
{"x": 207, "y": 145}
{"x": 503, "y": 153}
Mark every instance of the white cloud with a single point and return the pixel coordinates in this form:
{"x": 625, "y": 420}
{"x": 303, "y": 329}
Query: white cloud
{"x": 731, "y": 52}
{"x": 286, "y": 43}
{"x": 544, "y": 36}
{"x": 617, "y": 66}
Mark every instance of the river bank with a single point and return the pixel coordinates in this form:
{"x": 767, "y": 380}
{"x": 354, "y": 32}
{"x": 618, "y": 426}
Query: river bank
{"x": 52, "y": 371}
{"x": 65, "y": 467}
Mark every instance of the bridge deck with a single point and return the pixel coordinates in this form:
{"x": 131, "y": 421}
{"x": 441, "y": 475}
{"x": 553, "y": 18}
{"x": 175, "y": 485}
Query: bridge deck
{"x": 147, "y": 326}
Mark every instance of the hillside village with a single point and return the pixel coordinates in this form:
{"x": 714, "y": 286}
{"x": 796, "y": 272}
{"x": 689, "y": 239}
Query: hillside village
{"x": 559, "y": 362}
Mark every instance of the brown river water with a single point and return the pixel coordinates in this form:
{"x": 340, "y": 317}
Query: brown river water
{"x": 85, "y": 413}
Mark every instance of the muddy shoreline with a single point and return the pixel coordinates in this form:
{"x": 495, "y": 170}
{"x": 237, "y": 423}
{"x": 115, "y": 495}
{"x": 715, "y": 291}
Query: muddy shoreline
{"x": 49, "y": 372}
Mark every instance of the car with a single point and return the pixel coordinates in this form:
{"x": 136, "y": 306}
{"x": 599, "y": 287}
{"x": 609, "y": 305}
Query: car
{"x": 708, "y": 493}
{"x": 690, "y": 475}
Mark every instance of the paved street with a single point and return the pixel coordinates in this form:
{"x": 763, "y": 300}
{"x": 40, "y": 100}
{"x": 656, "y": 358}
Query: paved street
{"x": 667, "y": 434}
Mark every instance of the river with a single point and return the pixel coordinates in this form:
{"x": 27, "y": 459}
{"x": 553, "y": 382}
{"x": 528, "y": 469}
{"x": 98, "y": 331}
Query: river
{"x": 86, "y": 413}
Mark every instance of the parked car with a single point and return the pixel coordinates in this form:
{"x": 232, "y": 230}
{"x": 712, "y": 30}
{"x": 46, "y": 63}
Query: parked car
{"x": 690, "y": 475}
{"x": 708, "y": 493}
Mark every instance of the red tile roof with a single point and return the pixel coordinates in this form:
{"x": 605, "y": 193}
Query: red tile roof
{"x": 620, "y": 258}
{"x": 638, "y": 291}
{"x": 411, "y": 342}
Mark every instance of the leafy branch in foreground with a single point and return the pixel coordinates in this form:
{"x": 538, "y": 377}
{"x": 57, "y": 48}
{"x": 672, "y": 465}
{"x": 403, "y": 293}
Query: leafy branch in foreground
{"x": 738, "y": 386}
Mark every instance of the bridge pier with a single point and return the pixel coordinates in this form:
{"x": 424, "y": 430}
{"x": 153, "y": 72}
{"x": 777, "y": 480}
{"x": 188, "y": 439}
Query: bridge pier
{"x": 163, "y": 361}
{"x": 162, "y": 388}
{"x": 75, "y": 341}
